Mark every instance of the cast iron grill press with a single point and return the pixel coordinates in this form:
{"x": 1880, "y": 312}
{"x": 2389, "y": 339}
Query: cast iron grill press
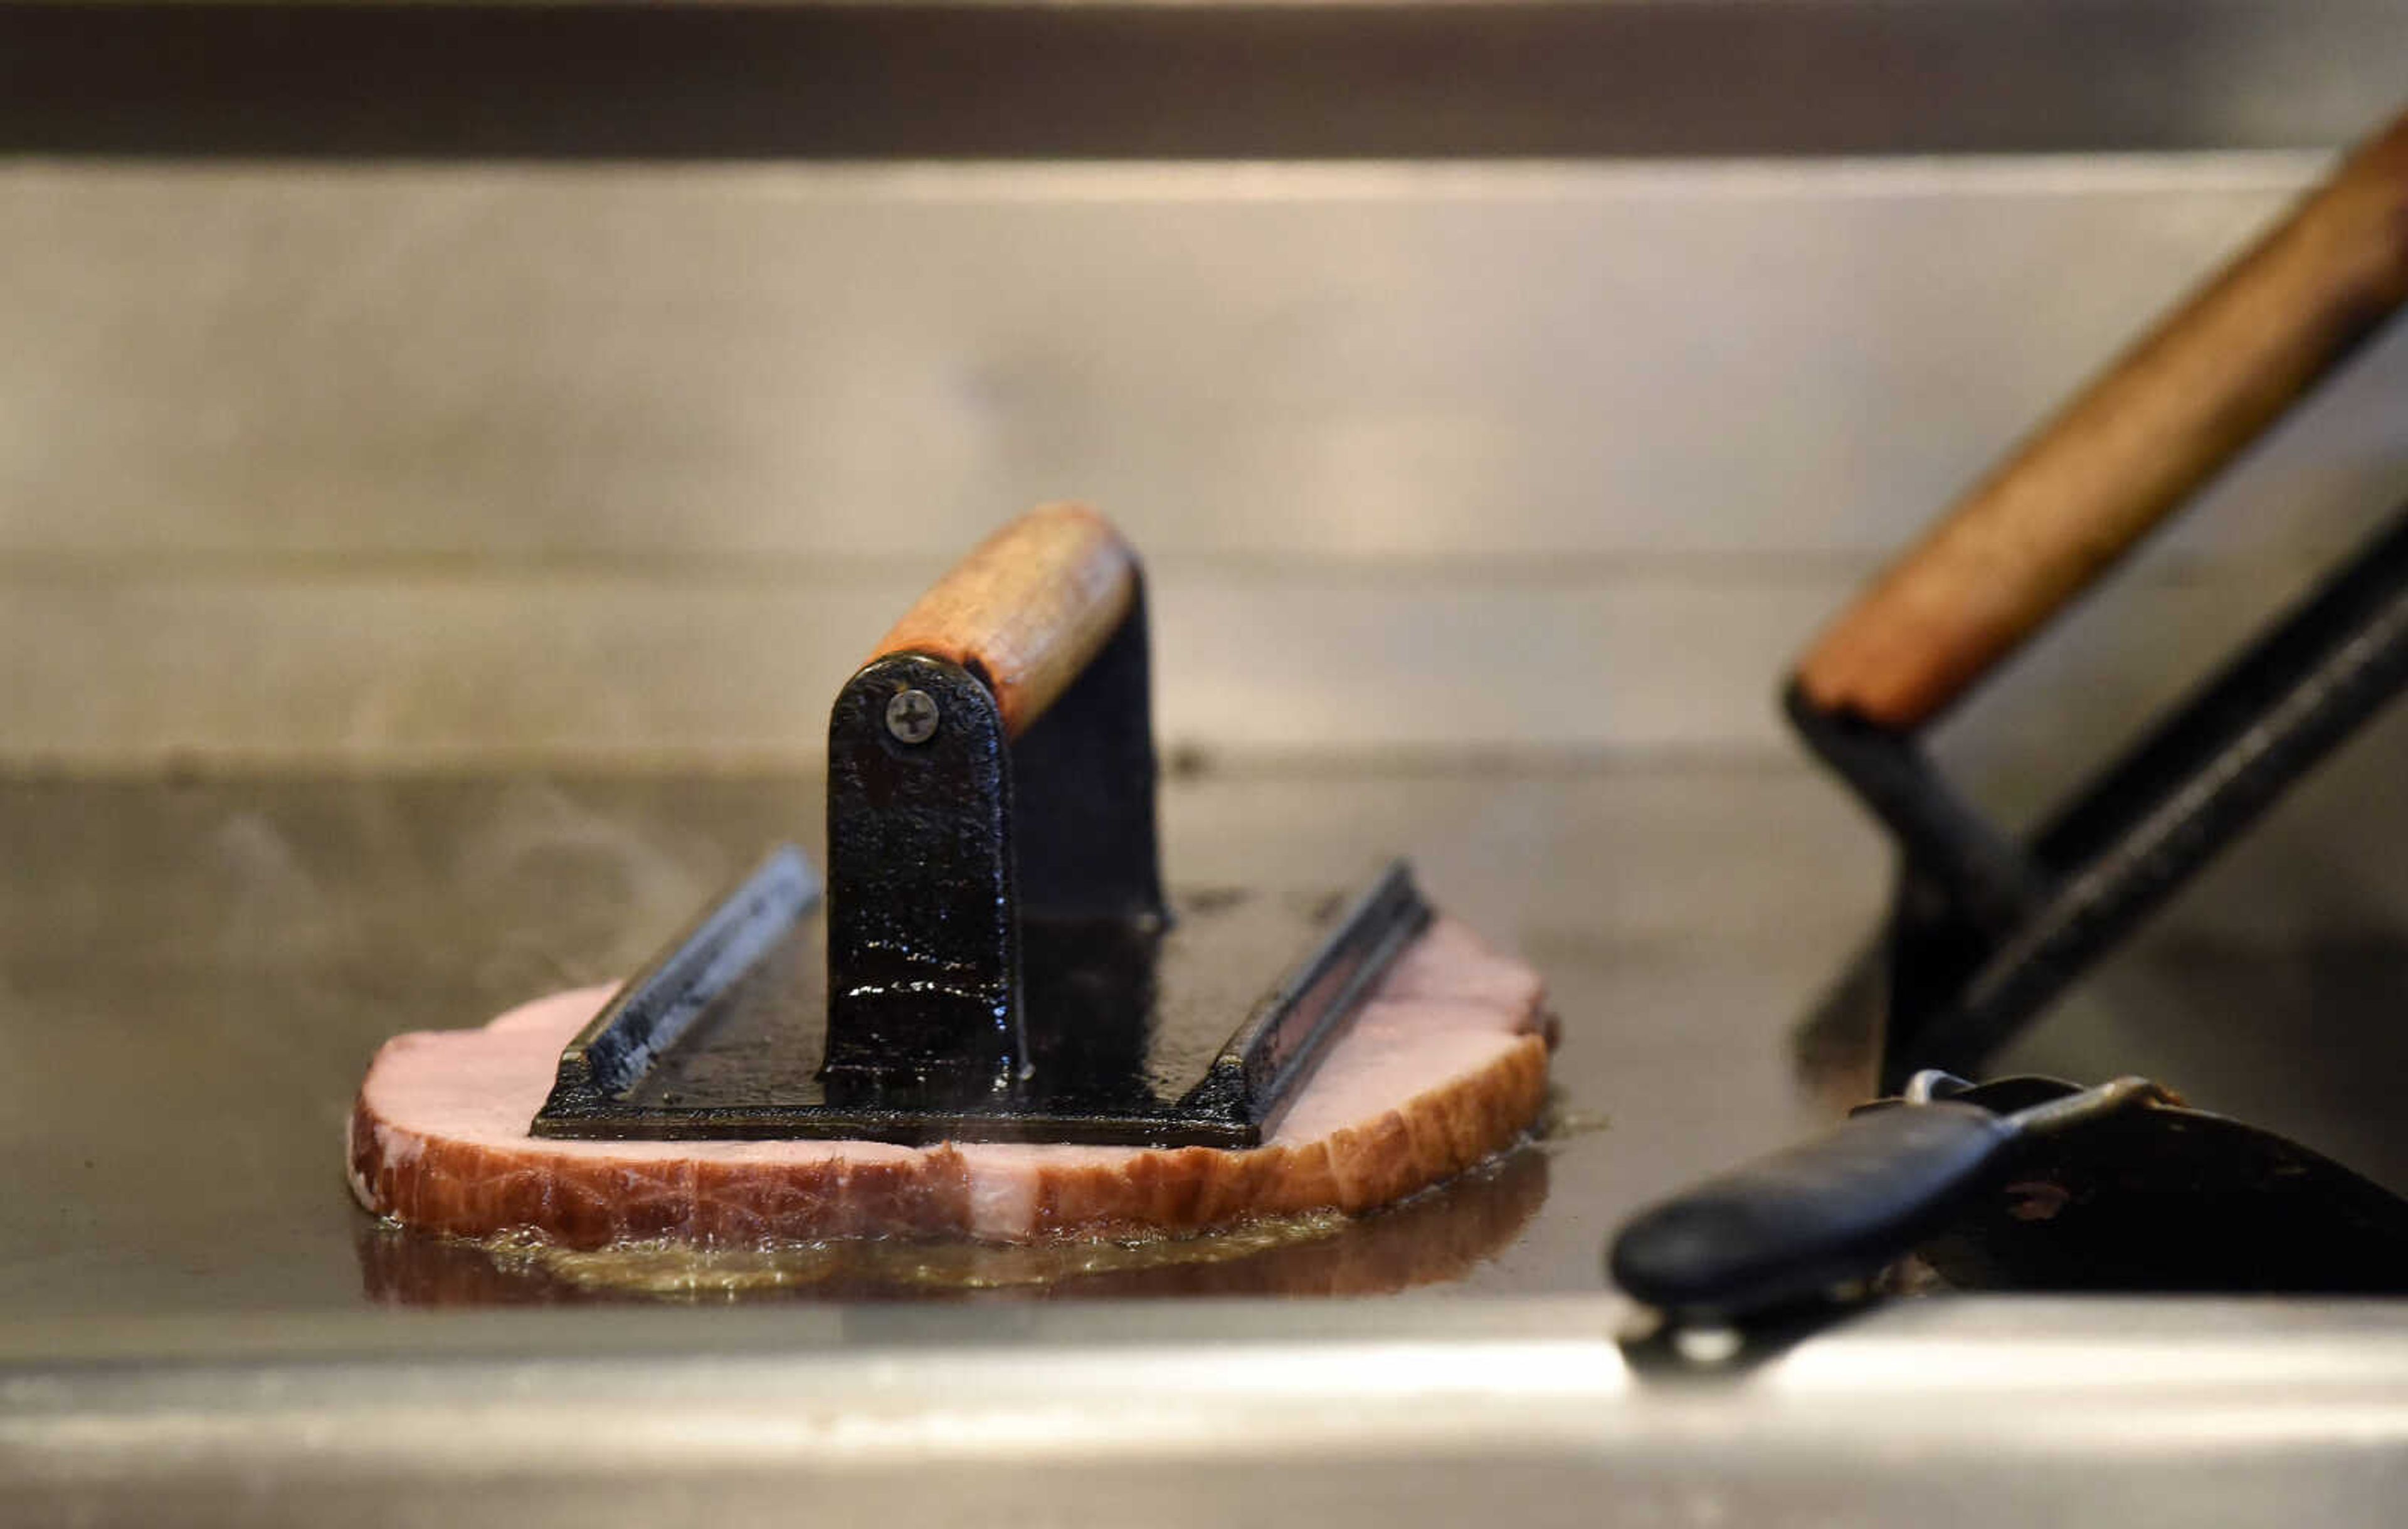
{"x": 998, "y": 960}
{"x": 1984, "y": 931}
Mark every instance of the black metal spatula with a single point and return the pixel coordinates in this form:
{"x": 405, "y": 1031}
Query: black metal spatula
{"x": 2023, "y": 1183}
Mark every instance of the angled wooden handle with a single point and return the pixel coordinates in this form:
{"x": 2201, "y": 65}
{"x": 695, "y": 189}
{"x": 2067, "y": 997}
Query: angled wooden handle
{"x": 2126, "y": 453}
{"x": 1027, "y": 610}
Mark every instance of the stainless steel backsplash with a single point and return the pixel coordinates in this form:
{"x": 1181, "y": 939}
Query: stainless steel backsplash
{"x": 471, "y": 462}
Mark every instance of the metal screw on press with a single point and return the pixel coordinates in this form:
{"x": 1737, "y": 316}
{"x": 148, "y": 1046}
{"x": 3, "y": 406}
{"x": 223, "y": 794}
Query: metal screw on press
{"x": 912, "y": 716}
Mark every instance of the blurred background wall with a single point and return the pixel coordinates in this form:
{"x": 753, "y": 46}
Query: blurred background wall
{"x": 463, "y": 388}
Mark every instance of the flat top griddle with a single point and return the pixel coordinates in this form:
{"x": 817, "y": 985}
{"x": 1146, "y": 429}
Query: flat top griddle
{"x": 192, "y": 976}
{"x": 195, "y": 976}
{"x": 196, "y": 1324}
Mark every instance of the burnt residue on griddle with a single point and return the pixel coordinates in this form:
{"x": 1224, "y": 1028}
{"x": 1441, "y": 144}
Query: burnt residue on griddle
{"x": 1442, "y": 1234}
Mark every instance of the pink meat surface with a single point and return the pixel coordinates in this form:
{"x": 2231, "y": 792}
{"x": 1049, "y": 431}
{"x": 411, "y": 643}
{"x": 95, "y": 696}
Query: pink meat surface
{"x": 1444, "y": 1066}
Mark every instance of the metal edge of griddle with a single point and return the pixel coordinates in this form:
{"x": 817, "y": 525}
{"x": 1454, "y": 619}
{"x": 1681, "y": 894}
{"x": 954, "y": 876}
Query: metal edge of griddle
{"x": 649, "y": 1013}
{"x": 1246, "y": 1088}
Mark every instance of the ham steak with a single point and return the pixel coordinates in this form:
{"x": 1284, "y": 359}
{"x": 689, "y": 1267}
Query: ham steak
{"x": 1445, "y": 1065}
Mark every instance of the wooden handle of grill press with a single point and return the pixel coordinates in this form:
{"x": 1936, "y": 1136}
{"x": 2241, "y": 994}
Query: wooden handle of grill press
{"x": 2126, "y": 453}
{"x": 1027, "y": 610}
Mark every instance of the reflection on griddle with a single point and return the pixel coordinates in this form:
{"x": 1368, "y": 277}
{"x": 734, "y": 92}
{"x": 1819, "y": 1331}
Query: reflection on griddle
{"x": 1440, "y": 1234}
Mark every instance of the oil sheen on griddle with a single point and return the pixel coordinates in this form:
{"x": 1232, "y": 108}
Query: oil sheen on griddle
{"x": 1440, "y": 1236}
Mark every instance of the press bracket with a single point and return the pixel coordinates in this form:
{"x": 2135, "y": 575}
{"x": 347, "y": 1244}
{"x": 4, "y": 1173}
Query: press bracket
{"x": 943, "y": 848}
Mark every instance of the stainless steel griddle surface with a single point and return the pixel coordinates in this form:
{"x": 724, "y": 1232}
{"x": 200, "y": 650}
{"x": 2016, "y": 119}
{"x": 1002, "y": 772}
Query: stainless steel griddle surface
{"x": 192, "y": 976}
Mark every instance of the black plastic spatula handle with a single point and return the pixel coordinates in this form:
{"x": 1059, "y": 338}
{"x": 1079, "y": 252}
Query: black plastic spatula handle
{"x": 1790, "y": 1226}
